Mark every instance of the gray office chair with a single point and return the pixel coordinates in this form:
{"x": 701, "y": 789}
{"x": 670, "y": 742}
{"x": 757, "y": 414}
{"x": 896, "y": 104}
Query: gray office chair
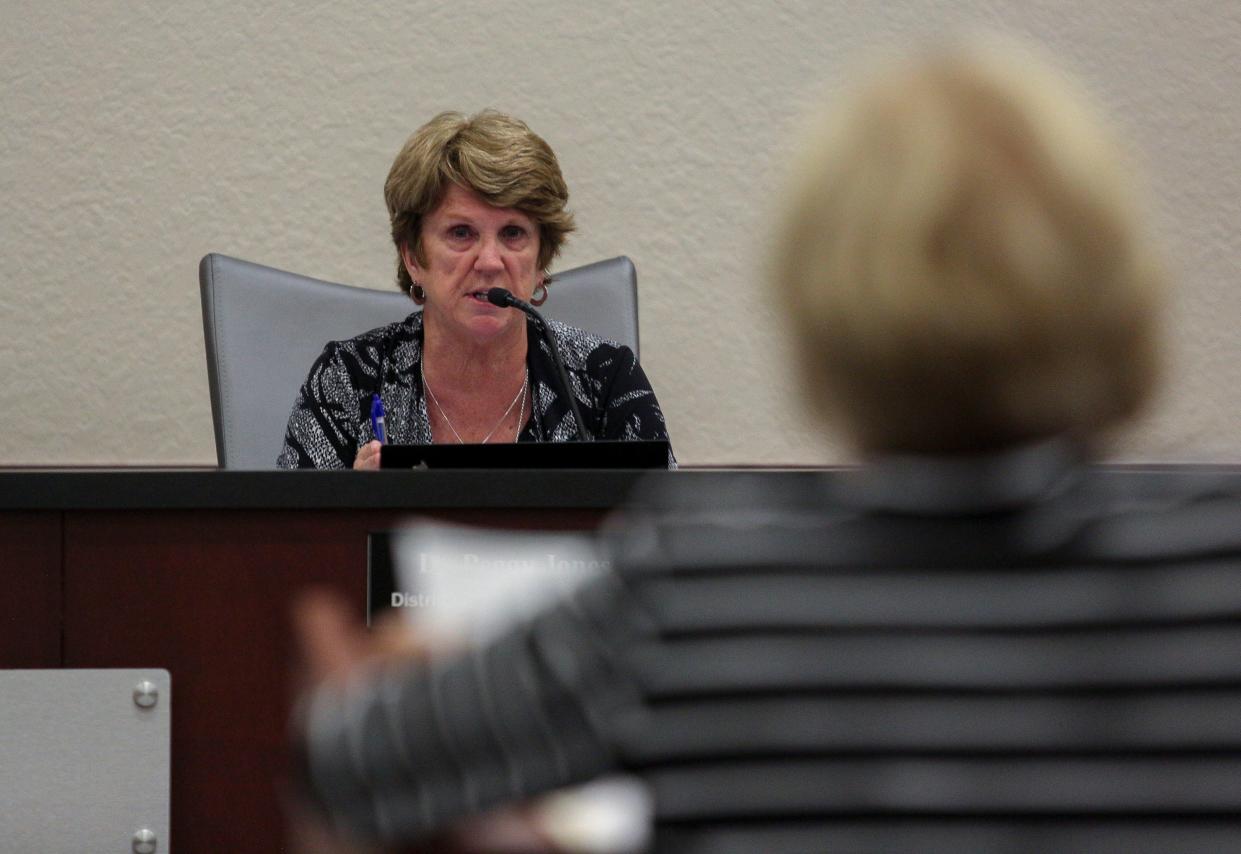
{"x": 264, "y": 327}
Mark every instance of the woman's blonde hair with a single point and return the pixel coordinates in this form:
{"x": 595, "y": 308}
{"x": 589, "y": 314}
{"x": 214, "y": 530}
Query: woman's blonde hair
{"x": 494, "y": 155}
{"x": 963, "y": 261}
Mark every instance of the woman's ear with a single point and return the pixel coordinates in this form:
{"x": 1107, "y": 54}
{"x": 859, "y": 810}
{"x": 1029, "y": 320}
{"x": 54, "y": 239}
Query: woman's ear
{"x": 411, "y": 262}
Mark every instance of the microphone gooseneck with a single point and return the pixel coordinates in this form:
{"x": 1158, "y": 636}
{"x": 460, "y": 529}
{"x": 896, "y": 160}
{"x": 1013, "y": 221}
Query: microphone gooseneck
{"x": 505, "y": 299}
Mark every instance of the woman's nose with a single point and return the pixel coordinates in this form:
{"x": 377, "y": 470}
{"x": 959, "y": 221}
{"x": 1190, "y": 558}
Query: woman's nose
{"x": 489, "y": 255}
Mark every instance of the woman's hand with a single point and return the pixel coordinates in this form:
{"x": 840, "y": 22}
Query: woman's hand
{"x": 334, "y": 641}
{"x": 368, "y": 456}
{"x": 336, "y": 644}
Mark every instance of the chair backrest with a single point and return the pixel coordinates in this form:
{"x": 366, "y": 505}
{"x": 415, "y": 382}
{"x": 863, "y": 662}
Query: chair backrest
{"x": 264, "y": 327}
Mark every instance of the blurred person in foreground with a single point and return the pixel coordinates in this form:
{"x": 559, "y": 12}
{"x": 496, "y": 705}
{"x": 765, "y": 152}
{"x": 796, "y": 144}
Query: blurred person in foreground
{"x": 971, "y": 642}
{"x": 474, "y": 203}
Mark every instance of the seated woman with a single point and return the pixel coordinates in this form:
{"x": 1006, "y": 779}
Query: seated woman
{"x": 475, "y": 203}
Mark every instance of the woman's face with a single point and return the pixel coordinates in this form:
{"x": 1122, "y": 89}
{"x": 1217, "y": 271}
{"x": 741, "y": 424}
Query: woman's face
{"x": 471, "y": 247}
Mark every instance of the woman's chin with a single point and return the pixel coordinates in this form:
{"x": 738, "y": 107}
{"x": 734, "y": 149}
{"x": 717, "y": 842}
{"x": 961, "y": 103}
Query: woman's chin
{"x": 477, "y": 325}
{"x": 485, "y": 327}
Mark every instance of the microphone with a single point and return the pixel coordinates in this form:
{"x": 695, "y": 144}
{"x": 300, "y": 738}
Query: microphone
{"x": 505, "y": 299}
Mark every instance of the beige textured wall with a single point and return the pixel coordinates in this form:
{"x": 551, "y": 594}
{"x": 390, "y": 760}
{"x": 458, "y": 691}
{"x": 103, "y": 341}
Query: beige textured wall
{"x": 137, "y": 137}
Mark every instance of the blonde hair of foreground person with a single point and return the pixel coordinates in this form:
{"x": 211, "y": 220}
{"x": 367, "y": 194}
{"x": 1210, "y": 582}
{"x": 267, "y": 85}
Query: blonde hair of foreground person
{"x": 963, "y": 260}
{"x": 494, "y": 155}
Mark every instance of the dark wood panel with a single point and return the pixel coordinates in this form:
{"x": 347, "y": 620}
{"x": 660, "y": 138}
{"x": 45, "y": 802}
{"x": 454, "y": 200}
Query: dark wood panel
{"x": 30, "y": 606}
{"x": 206, "y": 594}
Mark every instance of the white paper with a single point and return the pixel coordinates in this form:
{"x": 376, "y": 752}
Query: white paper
{"x": 471, "y": 584}
{"x": 474, "y": 583}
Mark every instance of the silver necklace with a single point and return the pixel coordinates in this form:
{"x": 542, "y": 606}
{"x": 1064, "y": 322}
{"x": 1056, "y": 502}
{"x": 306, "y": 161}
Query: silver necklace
{"x": 521, "y": 394}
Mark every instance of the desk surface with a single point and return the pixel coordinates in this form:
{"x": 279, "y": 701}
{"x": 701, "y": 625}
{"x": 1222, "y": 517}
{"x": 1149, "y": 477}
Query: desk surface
{"x": 183, "y": 489}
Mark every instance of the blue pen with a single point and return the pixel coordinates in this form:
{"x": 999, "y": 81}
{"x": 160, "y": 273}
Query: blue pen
{"x": 377, "y": 419}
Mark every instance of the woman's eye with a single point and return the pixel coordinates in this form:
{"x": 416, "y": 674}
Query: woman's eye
{"x": 459, "y": 232}
{"x": 512, "y": 232}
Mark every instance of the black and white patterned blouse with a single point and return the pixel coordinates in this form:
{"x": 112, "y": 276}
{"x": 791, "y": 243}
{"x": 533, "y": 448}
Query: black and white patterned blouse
{"x": 331, "y": 418}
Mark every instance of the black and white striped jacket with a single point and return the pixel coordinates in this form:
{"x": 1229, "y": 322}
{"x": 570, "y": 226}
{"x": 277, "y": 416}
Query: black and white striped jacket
{"x": 1006, "y": 653}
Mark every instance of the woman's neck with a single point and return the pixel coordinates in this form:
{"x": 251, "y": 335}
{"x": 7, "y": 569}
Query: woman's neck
{"x": 471, "y": 368}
